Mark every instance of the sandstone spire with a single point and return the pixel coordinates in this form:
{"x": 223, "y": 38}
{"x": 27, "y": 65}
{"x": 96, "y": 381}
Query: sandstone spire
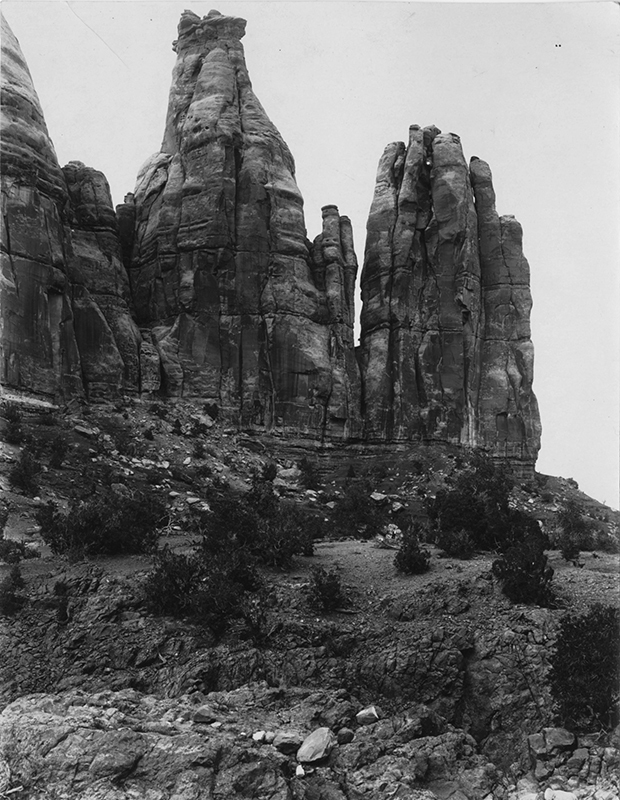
{"x": 221, "y": 271}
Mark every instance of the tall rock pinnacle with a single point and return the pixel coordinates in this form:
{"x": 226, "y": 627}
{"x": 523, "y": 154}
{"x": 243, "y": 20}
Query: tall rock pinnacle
{"x": 65, "y": 326}
{"x": 221, "y": 270}
{"x": 204, "y": 284}
{"x": 445, "y": 340}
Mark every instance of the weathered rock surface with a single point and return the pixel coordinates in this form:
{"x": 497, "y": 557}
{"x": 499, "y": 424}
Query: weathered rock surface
{"x": 209, "y": 256}
{"x": 446, "y": 350}
{"x": 242, "y": 309}
{"x": 65, "y": 329}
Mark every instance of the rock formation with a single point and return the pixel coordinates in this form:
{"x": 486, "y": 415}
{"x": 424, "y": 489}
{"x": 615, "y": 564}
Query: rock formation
{"x": 65, "y": 324}
{"x": 241, "y": 308}
{"x": 204, "y": 284}
{"x": 445, "y": 339}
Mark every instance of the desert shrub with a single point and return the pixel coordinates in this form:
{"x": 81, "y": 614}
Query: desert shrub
{"x": 411, "y": 559}
{"x": 585, "y": 669}
{"x": 325, "y": 591}
{"x": 11, "y": 601}
{"x": 456, "y": 543}
{"x": 59, "y": 448}
{"x": 269, "y": 472}
{"x": 104, "y": 524}
{"x": 198, "y": 449}
{"x": 4, "y": 517}
{"x": 12, "y": 552}
{"x": 355, "y": 513}
{"x": 170, "y": 587}
{"x": 310, "y": 475}
{"x": 25, "y": 472}
{"x": 126, "y": 444}
{"x": 478, "y": 503}
{"x": 524, "y": 573}
{"x": 209, "y": 588}
{"x": 203, "y": 471}
{"x": 13, "y": 433}
{"x": 575, "y": 532}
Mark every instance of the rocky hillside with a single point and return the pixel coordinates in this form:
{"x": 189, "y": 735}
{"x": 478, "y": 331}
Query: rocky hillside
{"x": 203, "y": 283}
{"x": 105, "y": 698}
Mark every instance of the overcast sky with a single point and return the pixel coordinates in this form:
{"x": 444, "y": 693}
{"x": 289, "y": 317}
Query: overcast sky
{"x": 530, "y": 88}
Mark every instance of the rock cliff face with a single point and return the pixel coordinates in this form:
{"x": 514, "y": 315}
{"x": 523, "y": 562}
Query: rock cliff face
{"x": 65, "y": 324}
{"x": 445, "y": 340}
{"x": 241, "y": 307}
{"x": 204, "y": 284}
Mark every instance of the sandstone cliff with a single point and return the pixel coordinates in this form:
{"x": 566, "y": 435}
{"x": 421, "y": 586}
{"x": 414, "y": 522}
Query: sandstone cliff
{"x": 241, "y": 308}
{"x": 203, "y": 284}
{"x": 445, "y": 340}
{"x": 65, "y": 324}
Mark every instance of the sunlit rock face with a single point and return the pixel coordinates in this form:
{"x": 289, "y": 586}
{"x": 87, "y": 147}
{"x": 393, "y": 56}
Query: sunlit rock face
{"x": 445, "y": 339}
{"x": 241, "y": 307}
{"x": 65, "y": 326}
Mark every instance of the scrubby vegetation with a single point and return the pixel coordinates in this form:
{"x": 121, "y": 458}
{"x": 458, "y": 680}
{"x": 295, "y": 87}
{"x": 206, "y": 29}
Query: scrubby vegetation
{"x": 25, "y": 472}
{"x": 525, "y": 574}
{"x": 585, "y": 669}
{"x": 475, "y": 513}
{"x": 107, "y": 523}
{"x": 575, "y": 533}
{"x": 13, "y": 432}
{"x": 325, "y": 590}
{"x": 218, "y": 582}
{"x": 411, "y": 559}
{"x": 355, "y": 514}
{"x": 11, "y": 600}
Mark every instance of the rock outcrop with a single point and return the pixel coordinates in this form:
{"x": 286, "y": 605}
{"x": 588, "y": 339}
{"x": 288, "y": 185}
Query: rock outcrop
{"x": 445, "y": 340}
{"x": 242, "y": 309}
{"x": 203, "y": 284}
{"x": 65, "y": 324}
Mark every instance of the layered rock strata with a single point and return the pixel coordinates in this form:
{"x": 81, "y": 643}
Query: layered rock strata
{"x": 241, "y": 307}
{"x": 65, "y": 326}
{"x": 203, "y": 284}
{"x": 445, "y": 338}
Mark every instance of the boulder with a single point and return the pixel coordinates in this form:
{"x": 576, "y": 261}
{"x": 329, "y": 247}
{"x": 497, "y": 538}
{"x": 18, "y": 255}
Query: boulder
{"x": 368, "y": 716}
{"x": 558, "y": 738}
{"x": 288, "y": 741}
{"x": 317, "y": 746}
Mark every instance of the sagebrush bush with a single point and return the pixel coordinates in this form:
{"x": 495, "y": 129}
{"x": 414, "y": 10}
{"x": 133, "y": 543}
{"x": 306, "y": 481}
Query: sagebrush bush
{"x": 478, "y": 504}
{"x": 12, "y": 552}
{"x": 411, "y": 559}
{"x": 59, "y": 448}
{"x": 210, "y": 589}
{"x": 576, "y": 533}
{"x": 355, "y": 513}
{"x": 525, "y": 574}
{"x": 456, "y": 543}
{"x": 310, "y": 475}
{"x": 106, "y": 523}
{"x": 325, "y": 590}
{"x": 585, "y": 669}
{"x": 25, "y": 472}
{"x": 13, "y": 433}
{"x": 11, "y": 601}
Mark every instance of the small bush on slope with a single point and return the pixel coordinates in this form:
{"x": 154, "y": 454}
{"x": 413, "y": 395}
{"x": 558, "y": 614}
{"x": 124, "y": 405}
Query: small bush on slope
{"x": 576, "y": 532}
{"x": 11, "y": 601}
{"x": 411, "y": 559}
{"x": 478, "y": 506}
{"x": 585, "y": 669}
{"x": 25, "y": 473}
{"x": 325, "y": 592}
{"x": 105, "y": 524}
{"x": 524, "y": 573}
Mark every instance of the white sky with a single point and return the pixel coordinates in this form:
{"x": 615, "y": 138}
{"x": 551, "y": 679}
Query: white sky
{"x": 530, "y": 88}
